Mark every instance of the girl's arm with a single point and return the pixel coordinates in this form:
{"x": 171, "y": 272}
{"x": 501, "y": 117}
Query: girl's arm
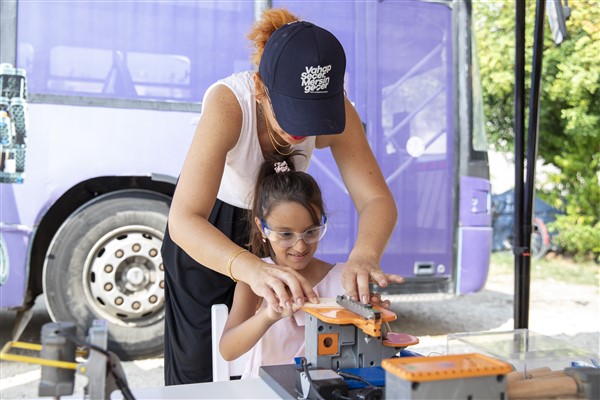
{"x": 374, "y": 203}
{"x": 216, "y": 134}
{"x": 245, "y": 326}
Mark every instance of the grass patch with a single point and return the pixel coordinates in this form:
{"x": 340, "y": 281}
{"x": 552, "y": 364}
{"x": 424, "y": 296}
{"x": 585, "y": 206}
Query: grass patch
{"x": 552, "y": 266}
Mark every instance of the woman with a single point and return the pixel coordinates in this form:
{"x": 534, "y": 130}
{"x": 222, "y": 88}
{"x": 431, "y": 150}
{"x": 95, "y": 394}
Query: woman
{"x": 295, "y": 102}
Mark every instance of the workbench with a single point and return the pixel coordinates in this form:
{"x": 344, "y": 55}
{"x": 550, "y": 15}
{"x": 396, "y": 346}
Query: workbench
{"x": 254, "y": 388}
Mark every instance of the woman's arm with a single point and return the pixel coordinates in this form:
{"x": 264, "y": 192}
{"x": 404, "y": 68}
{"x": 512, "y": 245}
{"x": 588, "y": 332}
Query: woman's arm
{"x": 217, "y": 132}
{"x": 374, "y": 203}
{"x": 245, "y": 326}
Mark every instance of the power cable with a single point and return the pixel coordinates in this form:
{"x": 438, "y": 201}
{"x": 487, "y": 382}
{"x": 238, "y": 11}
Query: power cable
{"x": 122, "y": 385}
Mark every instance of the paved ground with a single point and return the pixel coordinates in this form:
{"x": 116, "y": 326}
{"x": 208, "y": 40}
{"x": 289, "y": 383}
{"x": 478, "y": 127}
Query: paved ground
{"x": 568, "y": 312}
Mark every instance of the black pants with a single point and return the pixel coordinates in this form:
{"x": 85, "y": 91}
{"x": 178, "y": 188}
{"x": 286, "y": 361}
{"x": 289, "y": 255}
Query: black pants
{"x": 191, "y": 290}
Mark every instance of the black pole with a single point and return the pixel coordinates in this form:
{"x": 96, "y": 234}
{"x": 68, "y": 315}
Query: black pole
{"x": 534, "y": 108}
{"x": 532, "y": 129}
{"x": 524, "y": 226}
{"x": 519, "y": 128}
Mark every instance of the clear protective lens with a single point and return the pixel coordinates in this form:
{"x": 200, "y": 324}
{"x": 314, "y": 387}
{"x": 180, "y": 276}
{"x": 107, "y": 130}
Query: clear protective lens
{"x": 289, "y": 239}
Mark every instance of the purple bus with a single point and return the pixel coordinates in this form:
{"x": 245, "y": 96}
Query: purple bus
{"x": 99, "y": 103}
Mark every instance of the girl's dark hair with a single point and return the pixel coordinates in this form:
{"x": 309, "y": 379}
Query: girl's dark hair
{"x": 273, "y": 188}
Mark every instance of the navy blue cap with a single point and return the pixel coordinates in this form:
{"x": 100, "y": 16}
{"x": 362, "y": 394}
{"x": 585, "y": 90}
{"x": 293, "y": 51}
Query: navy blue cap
{"x": 303, "y": 68}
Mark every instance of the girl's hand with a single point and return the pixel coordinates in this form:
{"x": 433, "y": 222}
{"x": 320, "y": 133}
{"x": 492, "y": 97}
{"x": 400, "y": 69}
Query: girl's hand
{"x": 357, "y": 275}
{"x": 281, "y": 287}
{"x": 274, "y": 316}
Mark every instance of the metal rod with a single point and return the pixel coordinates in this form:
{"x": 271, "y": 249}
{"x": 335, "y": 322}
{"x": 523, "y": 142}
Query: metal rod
{"x": 532, "y": 140}
{"x": 519, "y": 110}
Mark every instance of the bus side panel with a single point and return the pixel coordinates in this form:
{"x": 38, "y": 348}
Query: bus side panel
{"x": 475, "y": 234}
{"x": 15, "y": 240}
{"x": 12, "y": 291}
{"x": 68, "y": 145}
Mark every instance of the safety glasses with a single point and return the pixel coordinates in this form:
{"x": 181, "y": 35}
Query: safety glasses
{"x": 289, "y": 239}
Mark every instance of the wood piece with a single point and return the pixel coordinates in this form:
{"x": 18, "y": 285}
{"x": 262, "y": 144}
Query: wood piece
{"x": 515, "y": 376}
{"x": 324, "y": 302}
{"x": 553, "y": 374}
{"x": 542, "y": 388}
{"x": 537, "y": 372}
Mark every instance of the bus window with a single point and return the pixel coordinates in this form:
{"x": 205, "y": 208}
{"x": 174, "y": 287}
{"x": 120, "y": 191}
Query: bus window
{"x": 168, "y": 51}
{"x": 80, "y": 70}
{"x": 160, "y": 75}
{"x": 91, "y": 71}
{"x": 479, "y": 141}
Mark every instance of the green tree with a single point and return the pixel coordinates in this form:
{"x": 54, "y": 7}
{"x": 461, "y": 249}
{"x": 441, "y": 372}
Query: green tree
{"x": 569, "y": 130}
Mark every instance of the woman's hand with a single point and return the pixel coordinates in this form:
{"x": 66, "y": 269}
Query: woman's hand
{"x": 282, "y": 287}
{"x": 357, "y": 275}
{"x": 375, "y": 299}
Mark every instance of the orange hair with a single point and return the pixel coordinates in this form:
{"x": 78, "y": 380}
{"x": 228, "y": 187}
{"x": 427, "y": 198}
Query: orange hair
{"x": 271, "y": 20}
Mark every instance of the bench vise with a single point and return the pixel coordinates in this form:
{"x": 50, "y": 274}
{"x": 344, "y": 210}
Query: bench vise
{"x": 351, "y": 335}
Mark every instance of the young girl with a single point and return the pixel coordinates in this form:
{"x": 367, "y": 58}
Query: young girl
{"x": 287, "y": 222}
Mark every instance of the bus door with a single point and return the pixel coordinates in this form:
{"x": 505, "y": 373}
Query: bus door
{"x": 400, "y": 77}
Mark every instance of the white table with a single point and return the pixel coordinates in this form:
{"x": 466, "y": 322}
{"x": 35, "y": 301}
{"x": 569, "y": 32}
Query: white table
{"x": 238, "y": 389}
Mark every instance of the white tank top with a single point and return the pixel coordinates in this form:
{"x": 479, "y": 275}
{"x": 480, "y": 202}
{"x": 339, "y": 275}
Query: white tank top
{"x": 243, "y": 161}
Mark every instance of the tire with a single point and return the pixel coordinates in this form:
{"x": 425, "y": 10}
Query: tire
{"x": 540, "y": 239}
{"x": 105, "y": 263}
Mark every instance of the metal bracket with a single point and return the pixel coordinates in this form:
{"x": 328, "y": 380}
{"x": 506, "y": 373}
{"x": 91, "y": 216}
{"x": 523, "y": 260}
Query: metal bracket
{"x": 364, "y": 310}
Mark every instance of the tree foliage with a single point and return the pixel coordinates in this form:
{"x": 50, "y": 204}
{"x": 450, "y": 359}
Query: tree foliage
{"x": 569, "y": 128}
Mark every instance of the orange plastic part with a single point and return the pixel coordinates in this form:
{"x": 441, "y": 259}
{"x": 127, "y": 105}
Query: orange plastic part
{"x": 328, "y": 344}
{"x": 456, "y": 366}
{"x": 342, "y": 316}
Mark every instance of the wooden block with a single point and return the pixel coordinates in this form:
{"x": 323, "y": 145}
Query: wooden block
{"x": 537, "y": 372}
{"x": 515, "y": 376}
{"x": 324, "y": 302}
{"x": 553, "y": 374}
{"x": 542, "y": 388}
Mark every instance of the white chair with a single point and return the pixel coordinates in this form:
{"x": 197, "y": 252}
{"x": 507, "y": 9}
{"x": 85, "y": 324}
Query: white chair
{"x": 223, "y": 370}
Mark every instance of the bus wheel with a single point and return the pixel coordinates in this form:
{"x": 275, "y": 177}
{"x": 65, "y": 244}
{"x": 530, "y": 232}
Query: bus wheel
{"x": 105, "y": 263}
